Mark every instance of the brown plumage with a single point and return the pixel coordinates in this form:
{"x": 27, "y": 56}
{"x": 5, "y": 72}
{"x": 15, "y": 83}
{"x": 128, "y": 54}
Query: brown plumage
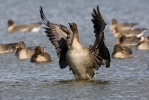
{"x": 122, "y": 26}
{"x": 82, "y": 61}
{"x": 23, "y": 52}
{"x": 138, "y": 32}
{"x": 8, "y": 48}
{"x": 40, "y": 56}
{"x": 121, "y": 52}
{"x": 128, "y": 41}
{"x": 144, "y": 44}
{"x": 33, "y": 27}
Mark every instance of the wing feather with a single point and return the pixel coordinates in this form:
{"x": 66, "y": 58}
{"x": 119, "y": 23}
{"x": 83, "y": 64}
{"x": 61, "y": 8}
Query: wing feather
{"x": 99, "y": 49}
{"x": 58, "y": 36}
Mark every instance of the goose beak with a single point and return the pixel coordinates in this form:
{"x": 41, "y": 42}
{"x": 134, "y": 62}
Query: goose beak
{"x": 17, "y": 46}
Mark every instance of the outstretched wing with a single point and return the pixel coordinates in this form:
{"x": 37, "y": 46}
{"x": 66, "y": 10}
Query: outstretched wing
{"x": 99, "y": 50}
{"x": 58, "y": 36}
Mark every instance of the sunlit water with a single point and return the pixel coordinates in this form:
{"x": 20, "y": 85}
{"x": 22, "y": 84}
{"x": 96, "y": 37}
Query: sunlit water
{"x": 126, "y": 79}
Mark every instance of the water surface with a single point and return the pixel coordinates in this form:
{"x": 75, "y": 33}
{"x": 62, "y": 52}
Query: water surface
{"x": 126, "y": 79}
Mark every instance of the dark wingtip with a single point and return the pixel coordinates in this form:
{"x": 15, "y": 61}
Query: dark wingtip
{"x": 97, "y": 7}
{"x": 40, "y": 8}
{"x": 43, "y": 17}
{"x": 41, "y": 12}
{"x": 98, "y": 21}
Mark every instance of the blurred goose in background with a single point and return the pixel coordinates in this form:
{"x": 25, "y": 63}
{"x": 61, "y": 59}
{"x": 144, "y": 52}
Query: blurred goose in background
{"x": 122, "y": 52}
{"x": 23, "y": 52}
{"x": 144, "y": 44}
{"x": 128, "y": 41}
{"x": 40, "y": 55}
{"x": 33, "y": 27}
{"x": 82, "y": 61}
{"x": 123, "y": 26}
{"x": 138, "y": 32}
{"x": 8, "y": 48}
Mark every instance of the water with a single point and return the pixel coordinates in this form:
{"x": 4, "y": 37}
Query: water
{"x": 126, "y": 79}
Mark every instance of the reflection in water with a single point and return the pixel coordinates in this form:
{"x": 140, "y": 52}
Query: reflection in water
{"x": 82, "y": 82}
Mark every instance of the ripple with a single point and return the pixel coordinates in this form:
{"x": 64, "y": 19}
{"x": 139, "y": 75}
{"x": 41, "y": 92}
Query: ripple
{"x": 22, "y": 80}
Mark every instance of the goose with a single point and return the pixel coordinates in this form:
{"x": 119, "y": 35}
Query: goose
{"x": 23, "y": 52}
{"x": 122, "y": 52}
{"x": 33, "y": 27}
{"x": 123, "y": 26}
{"x": 144, "y": 44}
{"x": 138, "y": 32}
{"x": 40, "y": 55}
{"x": 128, "y": 41}
{"x": 81, "y": 61}
{"x": 7, "y": 48}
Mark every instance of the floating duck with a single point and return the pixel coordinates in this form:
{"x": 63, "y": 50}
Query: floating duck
{"x": 33, "y": 27}
{"x": 40, "y": 55}
{"x": 122, "y": 52}
{"x": 23, "y": 52}
{"x": 8, "y": 48}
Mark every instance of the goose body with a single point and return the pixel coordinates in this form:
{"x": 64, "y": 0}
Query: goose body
{"x": 122, "y": 52}
{"x": 123, "y": 26}
{"x": 33, "y": 27}
{"x": 128, "y": 41}
{"x": 82, "y": 61}
{"x": 75, "y": 57}
{"x": 23, "y": 52}
{"x": 7, "y": 48}
{"x": 138, "y": 32}
{"x": 40, "y": 56}
{"x": 144, "y": 44}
